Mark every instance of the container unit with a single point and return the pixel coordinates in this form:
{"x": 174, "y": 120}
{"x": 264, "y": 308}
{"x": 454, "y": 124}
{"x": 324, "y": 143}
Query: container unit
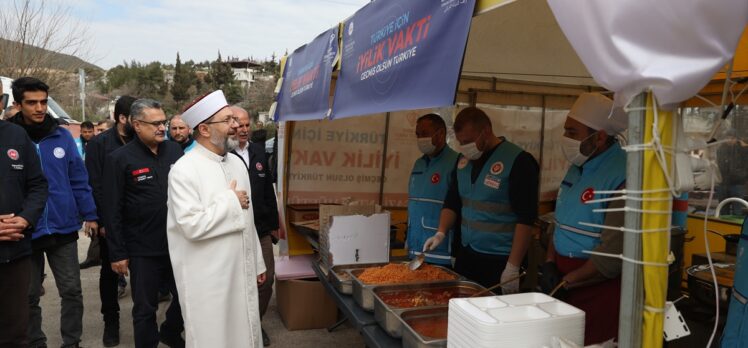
{"x": 425, "y": 327}
{"x": 388, "y": 316}
{"x": 364, "y": 297}
{"x": 519, "y": 320}
{"x": 341, "y": 279}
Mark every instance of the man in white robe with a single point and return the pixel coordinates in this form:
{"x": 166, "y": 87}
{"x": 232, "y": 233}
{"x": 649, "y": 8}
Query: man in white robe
{"x": 215, "y": 252}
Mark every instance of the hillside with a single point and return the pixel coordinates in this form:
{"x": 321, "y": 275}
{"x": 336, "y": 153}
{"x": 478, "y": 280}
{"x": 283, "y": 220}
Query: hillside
{"x": 56, "y": 61}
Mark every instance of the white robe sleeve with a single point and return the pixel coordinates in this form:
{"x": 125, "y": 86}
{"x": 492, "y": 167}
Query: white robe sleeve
{"x": 197, "y": 220}
{"x": 259, "y": 260}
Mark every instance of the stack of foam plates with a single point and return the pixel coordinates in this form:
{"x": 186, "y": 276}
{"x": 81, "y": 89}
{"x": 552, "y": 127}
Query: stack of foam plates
{"x": 519, "y": 320}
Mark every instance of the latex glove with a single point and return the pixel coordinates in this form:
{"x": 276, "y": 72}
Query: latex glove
{"x": 433, "y": 242}
{"x": 550, "y": 277}
{"x": 510, "y": 271}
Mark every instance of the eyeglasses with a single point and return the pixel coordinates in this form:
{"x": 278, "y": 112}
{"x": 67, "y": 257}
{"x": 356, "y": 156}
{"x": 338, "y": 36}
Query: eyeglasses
{"x": 154, "y": 123}
{"x": 228, "y": 120}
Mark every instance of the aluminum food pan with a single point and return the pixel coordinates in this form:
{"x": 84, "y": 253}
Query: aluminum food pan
{"x": 365, "y": 298}
{"x": 345, "y": 286}
{"x": 388, "y": 317}
{"x": 411, "y": 338}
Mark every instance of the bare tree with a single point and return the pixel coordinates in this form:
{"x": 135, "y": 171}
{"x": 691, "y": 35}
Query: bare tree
{"x": 42, "y": 39}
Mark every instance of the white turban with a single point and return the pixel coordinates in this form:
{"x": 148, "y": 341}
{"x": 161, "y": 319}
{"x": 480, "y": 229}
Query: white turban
{"x": 596, "y": 111}
{"x": 204, "y": 108}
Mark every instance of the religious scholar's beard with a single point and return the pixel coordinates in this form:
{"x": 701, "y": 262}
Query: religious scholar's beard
{"x": 225, "y": 143}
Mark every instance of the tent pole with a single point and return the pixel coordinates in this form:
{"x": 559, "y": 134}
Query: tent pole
{"x": 632, "y": 286}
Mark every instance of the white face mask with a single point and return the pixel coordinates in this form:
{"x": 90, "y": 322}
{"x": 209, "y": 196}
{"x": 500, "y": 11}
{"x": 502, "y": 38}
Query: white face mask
{"x": 425, "y": 146}
{"x": 470, "y": 151}
{"x": 572, "y": 150}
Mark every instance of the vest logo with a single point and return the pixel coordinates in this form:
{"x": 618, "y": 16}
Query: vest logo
{"x": 492, "y": 182}
{"x": 137, "y": 172}
{"x": 497, "y": 168}
{"x": 13, "y": 154}
{"x": 587, "y": 195}
{"x": 462, "y": 163}
{"x": 258, "y": 165}
{"x": 59, "y": 152}
{"x": 435, "y": 178}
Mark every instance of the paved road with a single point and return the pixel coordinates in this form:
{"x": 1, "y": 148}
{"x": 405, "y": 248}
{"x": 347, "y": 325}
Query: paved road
{"x": 93, "y": 326}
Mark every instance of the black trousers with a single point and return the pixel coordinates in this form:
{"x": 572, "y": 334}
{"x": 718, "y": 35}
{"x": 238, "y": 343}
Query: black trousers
{"x": 146, "y": 276}
{"x": 484, "y": 269}
{"x": 15, "y": 278}
{"x": 108, "y": 282}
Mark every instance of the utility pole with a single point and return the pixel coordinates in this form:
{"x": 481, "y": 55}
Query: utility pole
{"x": 632, "y": 283}
{"x": 82, "y": 83}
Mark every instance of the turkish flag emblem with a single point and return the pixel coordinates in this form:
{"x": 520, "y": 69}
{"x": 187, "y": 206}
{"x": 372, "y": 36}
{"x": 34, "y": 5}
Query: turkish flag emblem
{"x": 587, "y": 195}
{"x": 13, "y": 154}
{"x": 435, "y": 178}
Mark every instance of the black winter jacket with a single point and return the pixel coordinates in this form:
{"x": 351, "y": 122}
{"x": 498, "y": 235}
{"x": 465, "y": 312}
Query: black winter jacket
{"x": 23, "y": 187}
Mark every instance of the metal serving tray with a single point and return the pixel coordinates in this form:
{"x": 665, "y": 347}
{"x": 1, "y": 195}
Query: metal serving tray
{"x": 345, "y": 286}
{"x": 411, "y": 338}
{"x": 365, "y": 298}
{"x": 388, "y": 317}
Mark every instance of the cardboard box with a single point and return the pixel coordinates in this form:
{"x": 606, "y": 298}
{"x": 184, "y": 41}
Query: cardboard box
{"x": 353, "y": 234}
{"x": 303, "y": 212}
{"x": 304, "y": 304}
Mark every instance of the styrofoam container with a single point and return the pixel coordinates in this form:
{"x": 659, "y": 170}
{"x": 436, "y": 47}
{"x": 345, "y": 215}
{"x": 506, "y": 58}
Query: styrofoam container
{"x": 519, "y": 313}
{"x": 529, "y": 298}
{"x": 486, "y": 302}
{"x": 519, "y": 320}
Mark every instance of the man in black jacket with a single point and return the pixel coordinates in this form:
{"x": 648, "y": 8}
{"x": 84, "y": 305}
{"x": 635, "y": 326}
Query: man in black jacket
{"x": 135, "y": 193}
{"x": 23, "y": 195}
{"x": 264, "y": 205}
{"x": 96, "y": 151}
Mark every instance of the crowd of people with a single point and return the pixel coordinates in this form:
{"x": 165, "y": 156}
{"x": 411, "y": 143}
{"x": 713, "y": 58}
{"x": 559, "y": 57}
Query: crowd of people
{"x": 191, "y": 214}
{"x": 194, "y": 217}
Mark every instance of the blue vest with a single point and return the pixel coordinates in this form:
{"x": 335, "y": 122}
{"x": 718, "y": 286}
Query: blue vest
{"x": 488, "y": 220}
{"x": 736, "y": 327}
{"x": 605, "y": 172}
{"x": 429, "y": 182}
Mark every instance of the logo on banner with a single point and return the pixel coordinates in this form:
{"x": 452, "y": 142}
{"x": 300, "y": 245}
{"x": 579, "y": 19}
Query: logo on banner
{"x": 350, "y": 28}
{"x": 587, "y": 195}
{"x": 258, "y": 165}
{"x": 59, "y": 152}
{"x": 435, "y": 178}
{"x": 13, "y": 154}
{"x": 450, "y": 4}
{"x": 462, "y": 163}
{"x": 497, "y": 168}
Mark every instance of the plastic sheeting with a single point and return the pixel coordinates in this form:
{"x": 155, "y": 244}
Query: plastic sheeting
{"x": 673, "y": 47}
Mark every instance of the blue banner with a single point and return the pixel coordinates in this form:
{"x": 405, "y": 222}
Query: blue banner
{"x": 305, "y": 92}
{"x": 402, "y": 55}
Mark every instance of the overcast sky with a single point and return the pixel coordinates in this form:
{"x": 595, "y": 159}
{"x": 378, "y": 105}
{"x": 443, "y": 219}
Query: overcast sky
{"x": 154, "y": 30}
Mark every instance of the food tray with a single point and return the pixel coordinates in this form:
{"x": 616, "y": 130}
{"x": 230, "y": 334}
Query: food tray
{"x": 344, "y": 284}
{"x": 388, "y": 316}
{"x": 412, "y": 338}
{"x": 365, "y": 298}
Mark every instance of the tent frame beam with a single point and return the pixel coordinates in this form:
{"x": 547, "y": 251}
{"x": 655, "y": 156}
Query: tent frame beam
{"x": 632, "y": 282}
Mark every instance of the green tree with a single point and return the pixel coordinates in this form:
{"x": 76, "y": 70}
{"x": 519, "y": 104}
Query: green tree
{"x": 222, "y": 77}
{"x": 182, "y": 82}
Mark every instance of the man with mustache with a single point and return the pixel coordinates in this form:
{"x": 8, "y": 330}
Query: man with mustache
{"x": 135, "y": 179}
{"x": 111, "y": 284}
{"x": 213, "y": 243}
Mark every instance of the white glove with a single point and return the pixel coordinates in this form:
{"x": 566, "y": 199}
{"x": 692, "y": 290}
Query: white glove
{"x": 510, "y": 271}
{"x": 433, "y": 242}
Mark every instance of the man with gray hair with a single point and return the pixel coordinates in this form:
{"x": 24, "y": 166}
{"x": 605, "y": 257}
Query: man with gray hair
{"x": 135, "y": 191}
